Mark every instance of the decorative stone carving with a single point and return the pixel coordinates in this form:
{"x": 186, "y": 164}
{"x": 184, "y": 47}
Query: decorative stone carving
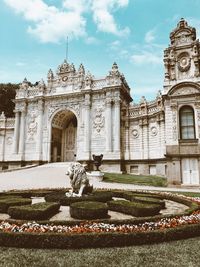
{"x": 50, "y": 75}
{"x": 99, "y": 120}
{"x": 9, "y": 140}
{"x": 32, "y": 126}
{"x": 154, "y": 131}
{"x": 135, "y": 133}
{"x": 174, "y": 121}
{"x": 72, "y": 106}
{"x": 184, "y": 62}
{"x": 88, "y": 80}
{"x": 185, "y": 91}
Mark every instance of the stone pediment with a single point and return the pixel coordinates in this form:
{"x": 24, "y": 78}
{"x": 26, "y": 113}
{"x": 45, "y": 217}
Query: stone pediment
{"x": 183, "y": 34}
{"x": 184, "y": 89}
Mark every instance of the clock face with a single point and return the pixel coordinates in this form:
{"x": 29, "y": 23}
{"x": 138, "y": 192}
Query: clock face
{"x": 64, "y": 79}
{"x": 184, "y": 63}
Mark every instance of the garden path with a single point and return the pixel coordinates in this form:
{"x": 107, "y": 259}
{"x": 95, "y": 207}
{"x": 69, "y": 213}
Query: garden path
{"x": 53, "y": 176}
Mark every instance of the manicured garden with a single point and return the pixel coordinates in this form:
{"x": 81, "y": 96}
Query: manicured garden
{"x": 148, "y": 226}
{"x": 135, "y": 179}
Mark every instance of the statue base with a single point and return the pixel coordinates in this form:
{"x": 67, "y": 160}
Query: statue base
{"x": 95, "y": 176}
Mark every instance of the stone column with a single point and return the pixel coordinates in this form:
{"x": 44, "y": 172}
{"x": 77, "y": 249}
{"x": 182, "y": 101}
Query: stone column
{"x": 16, "y": 133}
{"x": 127, "y": 140}
{"x": 3, "y": 134}
{"x": 87, "y": 131}
{"x": 117, "y": 126}
{"x": 40, "y": 129}
{"x": 108, "y": 125}
{"x": 22, "y": 135}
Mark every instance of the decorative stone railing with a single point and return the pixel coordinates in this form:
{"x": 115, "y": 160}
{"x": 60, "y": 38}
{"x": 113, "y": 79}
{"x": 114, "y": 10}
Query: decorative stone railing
{"x": 10, "y": 123}
{"x": 149, "y": 108}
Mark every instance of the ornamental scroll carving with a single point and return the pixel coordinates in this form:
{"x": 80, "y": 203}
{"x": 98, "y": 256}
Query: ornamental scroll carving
{"x": 174, "y": 122}
{"x": 99, "y": 120}
{"x": 198, "y": 118}
{"x": 73, "y": 107}
{"x": 32, "y": 126}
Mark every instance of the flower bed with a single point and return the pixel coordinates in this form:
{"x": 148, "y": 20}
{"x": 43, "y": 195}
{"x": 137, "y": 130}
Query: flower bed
{"x": 39, "y": 211}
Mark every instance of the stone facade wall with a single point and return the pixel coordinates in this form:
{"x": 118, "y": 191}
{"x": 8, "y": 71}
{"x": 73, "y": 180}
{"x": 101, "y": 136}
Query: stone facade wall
{"x": 139, "y": 138}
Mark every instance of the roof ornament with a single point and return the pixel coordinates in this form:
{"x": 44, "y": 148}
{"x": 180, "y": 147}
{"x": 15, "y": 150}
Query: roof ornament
{"x": 50, "y": 75}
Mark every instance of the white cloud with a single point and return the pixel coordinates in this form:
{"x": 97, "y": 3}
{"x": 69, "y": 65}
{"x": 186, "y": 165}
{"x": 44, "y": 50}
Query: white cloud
{"x": 146, "y": 57}
{"x": 150, "y": 36}
{"x": 51, "y": 24}
{"x": 103, "y": 17}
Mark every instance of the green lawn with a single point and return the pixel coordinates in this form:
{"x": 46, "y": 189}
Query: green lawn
{"x": 184, "y": 253}
{"x": 135, "y": 179}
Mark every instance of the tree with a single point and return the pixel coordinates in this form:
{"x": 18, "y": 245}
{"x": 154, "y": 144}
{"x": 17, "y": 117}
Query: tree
{"x": 7, "y": 94}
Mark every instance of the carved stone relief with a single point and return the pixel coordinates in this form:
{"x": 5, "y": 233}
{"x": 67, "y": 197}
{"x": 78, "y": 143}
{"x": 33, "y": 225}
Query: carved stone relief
{"x": 184, "y": 62}
{"x": 185, "y": 91}
{"x": 135, "y": 133}
{"x": 9, "y": 140}
{"x": 74, "y": 107}
{"x": 174, "y": 123}
{"x": 99, "y": 120}
{"x": 154, "y": 131}
{"x": 32, "y": 126}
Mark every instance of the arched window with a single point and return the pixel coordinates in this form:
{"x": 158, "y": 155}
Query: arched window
{"x": 187, "y": 123}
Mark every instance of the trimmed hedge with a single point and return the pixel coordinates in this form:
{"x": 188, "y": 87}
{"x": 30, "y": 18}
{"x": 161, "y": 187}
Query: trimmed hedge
{"x": 137, "y": 209}
{"x": 6, "y": 202}
{"x": 99, "y": 196}
{"x": 88, "y": 210}
{"x": 27, "y": 193}
{"x": 94, "y": 240}
{"x": 150, "y": 200}
{"x": 38, "y": 211}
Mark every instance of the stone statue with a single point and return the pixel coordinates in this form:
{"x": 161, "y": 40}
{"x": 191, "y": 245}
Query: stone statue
{"x": 78, "y": 180}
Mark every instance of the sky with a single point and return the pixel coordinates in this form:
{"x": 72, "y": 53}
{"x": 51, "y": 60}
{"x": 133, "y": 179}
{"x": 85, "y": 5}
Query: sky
{"x": 132, "y": 33}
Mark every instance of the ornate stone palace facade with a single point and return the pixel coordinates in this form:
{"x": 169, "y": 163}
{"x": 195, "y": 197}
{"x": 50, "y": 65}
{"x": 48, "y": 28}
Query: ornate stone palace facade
{"x": 75, "y": 115}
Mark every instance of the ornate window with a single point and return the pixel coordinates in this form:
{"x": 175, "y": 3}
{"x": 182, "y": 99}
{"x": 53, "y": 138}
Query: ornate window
{"x": 187, "y": 123}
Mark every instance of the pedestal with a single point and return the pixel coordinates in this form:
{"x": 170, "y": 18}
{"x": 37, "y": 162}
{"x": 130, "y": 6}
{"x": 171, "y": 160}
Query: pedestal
{"x": 95, "y": 176}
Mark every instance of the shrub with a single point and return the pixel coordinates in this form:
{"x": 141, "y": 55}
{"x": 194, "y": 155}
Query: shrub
{"x": 137, "y": 209}
{"x": 27, "y": 193}
{"x": 38, "y": 211}
{"x": 88, "y": 210}
{"x": 7, "y": 202}
{"x": 99, "y": 196}
{"x": 150, "y": 200}
{"x": 86, "y": 240}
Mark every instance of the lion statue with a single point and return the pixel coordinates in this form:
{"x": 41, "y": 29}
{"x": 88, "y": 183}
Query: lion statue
{"x": 78, "y": 180}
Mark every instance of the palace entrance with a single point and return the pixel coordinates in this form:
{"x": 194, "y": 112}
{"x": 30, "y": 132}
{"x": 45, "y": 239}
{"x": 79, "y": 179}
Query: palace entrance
{"x": 63, "y": 136}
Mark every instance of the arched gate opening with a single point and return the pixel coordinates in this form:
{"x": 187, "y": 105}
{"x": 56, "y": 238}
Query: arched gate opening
{"x": 63, "y": 136}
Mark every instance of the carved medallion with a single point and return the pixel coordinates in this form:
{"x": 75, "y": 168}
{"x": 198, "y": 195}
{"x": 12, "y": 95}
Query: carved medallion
{"x": 184, "y": 63}
{"x": 154, "y": 131}
{"x": 135, "y": 133}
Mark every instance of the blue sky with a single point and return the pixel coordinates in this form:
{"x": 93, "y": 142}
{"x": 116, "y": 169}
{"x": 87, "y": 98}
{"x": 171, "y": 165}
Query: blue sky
{"x": 133, "y": 33}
